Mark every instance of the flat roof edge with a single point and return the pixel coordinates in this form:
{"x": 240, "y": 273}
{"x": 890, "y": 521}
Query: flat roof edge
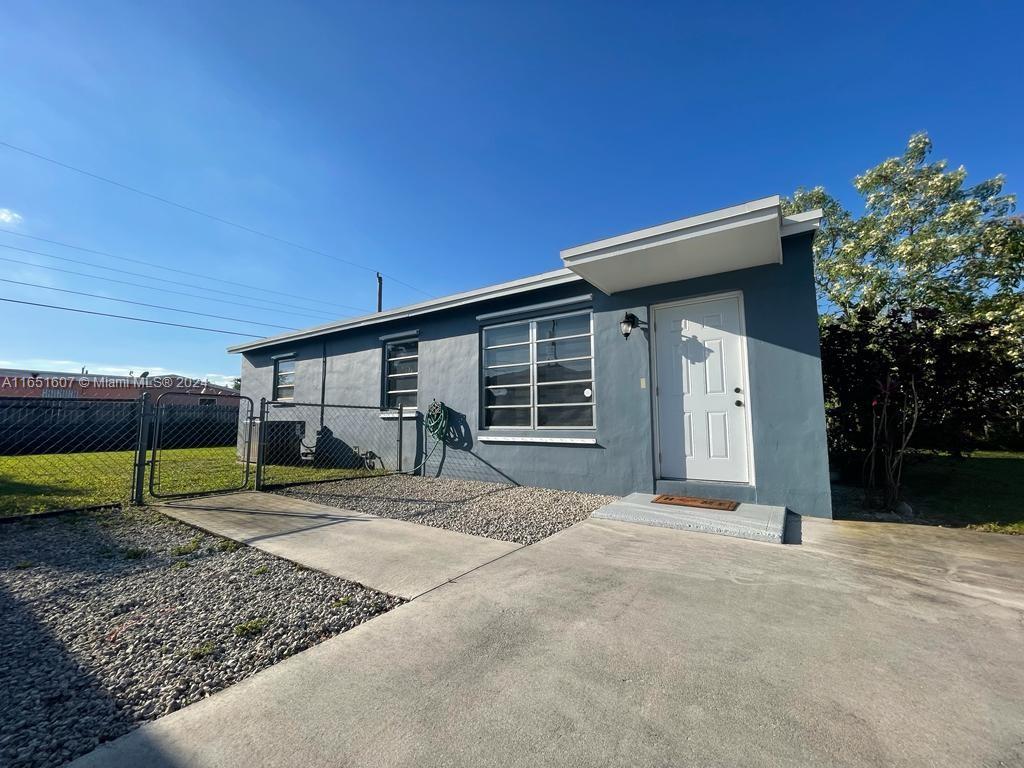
{"x": 496, "y": 291}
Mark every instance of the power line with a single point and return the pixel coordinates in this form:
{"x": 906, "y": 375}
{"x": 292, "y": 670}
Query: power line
{"x": 143, "y": 304}
{"x": 126, "y": 317}
{"x": 179, "y": 271}
{"x": 22, "y": 262}
{"x": 158, "y": 279}
{"x": 204, "y": 214}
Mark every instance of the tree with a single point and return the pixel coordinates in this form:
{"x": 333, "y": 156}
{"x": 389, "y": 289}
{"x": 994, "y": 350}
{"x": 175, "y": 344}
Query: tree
{"x": 925, "y": 240}
{"x": 922, "y": 313}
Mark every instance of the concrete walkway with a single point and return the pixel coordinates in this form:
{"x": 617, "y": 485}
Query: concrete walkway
{"x": 615, "y": 644}
{"x": 392, "y": 556}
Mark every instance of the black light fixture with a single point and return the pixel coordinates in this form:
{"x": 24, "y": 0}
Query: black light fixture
{"x": 628, "y": 323}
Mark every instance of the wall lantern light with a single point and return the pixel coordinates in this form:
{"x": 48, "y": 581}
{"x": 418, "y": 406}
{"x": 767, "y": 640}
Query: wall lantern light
{"x": 628, "y": 323}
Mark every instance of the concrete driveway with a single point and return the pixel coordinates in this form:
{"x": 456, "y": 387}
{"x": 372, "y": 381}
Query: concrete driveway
{"x": 615, "y": 644}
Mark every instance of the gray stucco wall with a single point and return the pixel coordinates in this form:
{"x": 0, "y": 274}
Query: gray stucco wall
{"x": 786, "y": 403}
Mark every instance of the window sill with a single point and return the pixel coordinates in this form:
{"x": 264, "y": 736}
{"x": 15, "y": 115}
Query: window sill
{"x": 407, "y": 413}
{"x": 541, "y": 440}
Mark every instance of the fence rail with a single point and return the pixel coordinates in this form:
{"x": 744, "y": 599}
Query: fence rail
{"x": 58, "y": 454}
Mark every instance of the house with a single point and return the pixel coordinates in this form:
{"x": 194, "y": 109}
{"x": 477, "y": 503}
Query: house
{"x": 682, "y": 358}
{"x": 23, "y": 383}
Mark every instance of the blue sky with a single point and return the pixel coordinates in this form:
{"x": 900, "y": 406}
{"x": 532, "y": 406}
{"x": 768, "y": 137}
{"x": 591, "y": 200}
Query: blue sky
{"x": 448, "y": 145}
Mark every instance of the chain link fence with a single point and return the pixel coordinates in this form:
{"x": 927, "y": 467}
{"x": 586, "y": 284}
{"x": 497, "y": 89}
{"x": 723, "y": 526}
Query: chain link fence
{"x": 57, "y": 453}
{"x": 199, "y": 448}
{"x": 310, "y": 442}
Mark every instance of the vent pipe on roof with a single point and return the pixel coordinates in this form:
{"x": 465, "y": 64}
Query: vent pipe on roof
{"x": 380, "y": 292}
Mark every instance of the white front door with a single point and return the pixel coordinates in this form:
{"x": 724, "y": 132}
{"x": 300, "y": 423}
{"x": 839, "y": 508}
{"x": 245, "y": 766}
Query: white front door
{"x": 702, "y": 390}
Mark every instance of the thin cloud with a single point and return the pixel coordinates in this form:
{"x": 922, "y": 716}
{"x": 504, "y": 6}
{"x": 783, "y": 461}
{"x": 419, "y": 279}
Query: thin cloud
{"x": 7, "y": 216}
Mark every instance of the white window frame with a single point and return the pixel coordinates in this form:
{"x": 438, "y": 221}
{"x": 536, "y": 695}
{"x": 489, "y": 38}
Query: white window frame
{"x": 384, "y": 370}
{"x": 277, "y": 373}
{"x": 532, "y": 363}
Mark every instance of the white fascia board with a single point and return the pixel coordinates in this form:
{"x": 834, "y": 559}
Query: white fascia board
{"x": 693, "y": 223}
{"x": 802, "y": 222}
{"x": 511, "y": 288}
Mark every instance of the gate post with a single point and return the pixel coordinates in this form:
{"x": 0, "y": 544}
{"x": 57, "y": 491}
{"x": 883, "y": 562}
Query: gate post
{"x": 260, "y": 444}
{"x": 142, "y": 434}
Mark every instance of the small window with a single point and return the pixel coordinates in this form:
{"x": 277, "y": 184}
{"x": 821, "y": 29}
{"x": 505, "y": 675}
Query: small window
{"x": 207, "y": 400}
{"x": 401, "y": 373}
{"x": 284, "y": 379}
{"x": 539, "y": 374}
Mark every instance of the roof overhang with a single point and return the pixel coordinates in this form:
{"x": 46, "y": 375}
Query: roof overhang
{"x": 511, "y": 288}
{"x": 743, "y": 236}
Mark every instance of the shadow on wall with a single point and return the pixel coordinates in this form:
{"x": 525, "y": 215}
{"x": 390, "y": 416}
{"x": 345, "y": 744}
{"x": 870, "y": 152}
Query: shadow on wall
{"x": 454, "y": 457}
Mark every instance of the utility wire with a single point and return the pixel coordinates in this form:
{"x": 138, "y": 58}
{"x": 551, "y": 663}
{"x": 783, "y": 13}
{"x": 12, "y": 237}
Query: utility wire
{"x": 143, "y": 304}
{"x": 165, "y": 280}
{"x": 180, "y": 271}
{"x": 204, "y": 214}
{"x": 126, "y": 317}
{"x": 22, "y": 262}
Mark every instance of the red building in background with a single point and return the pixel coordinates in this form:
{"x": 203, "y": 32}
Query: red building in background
{"x": 87, "y": 386}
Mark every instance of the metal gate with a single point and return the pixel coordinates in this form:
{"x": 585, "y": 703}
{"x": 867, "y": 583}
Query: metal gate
{"x": 200, "y": 444}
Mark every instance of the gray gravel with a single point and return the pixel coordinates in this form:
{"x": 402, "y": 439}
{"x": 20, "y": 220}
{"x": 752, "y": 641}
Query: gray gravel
{"x": 103, "y": 627}
{"x": 516, "y": 513}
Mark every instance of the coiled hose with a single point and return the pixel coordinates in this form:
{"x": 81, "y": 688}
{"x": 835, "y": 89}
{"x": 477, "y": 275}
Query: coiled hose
{"x": 436, "y": 424}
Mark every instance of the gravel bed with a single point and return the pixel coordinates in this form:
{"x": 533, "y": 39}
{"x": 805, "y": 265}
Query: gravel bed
{"x": 111, "y": 619}
{"x": 516, "y": 513}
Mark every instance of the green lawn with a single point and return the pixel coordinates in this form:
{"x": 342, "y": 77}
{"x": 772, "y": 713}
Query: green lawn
{"x": 31, "y": 484}
{"x": 983, "y": 491}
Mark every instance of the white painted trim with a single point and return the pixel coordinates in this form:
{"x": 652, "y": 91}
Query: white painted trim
{"x": 407, "y": 413}
{"x": 582, "y": 299}
{"x": 511, "y": 288}
{"x": 656, "y": 425}
{"x": 801, "y": 222}
{"x": 700, "y": 221}
{"x": 544, "y": 440}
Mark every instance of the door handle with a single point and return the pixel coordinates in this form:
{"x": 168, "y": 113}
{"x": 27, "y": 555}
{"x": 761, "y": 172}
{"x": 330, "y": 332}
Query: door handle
{"x": 739, "y": 403}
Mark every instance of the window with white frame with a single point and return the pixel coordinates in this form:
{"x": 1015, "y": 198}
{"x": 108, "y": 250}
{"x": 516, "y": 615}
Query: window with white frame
{"x": 539, "y": 374}
{"x": 284, "y": 378}
{"x": 401, "y": 372}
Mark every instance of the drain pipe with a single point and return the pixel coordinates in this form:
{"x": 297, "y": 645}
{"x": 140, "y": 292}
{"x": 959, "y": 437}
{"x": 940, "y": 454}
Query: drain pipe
{"x": 323, "y": 381}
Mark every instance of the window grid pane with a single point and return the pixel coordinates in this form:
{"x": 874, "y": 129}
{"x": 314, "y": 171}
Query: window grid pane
{"x": 401, "y": 373}
{"x": 548, "y": 359}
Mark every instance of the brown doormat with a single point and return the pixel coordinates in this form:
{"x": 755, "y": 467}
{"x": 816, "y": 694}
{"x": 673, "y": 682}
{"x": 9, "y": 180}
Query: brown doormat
{"x": 722, "y": 505}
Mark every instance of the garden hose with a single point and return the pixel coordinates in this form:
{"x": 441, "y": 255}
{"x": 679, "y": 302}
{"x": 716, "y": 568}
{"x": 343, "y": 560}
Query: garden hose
{"x": 436, "y": 424}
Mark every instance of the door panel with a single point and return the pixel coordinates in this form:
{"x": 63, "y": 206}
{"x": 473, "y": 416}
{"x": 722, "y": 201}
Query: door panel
{"x": 701, "y": 378}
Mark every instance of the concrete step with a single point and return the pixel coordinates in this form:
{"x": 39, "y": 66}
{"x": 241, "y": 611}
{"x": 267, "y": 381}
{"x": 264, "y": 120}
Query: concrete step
{"x": 758, "y": 522}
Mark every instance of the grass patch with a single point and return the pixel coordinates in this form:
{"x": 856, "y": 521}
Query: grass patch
{"x": 23, "y": 565}
{"x": 42, "y": 482}
{"x": 202, "y": 651}
{"x": 135, "y": 553}
{"x": 261, "y": 570}
{"x": 342, "y": 602}
{"x": 227, "y": 545}
{"x": 187, "y": 549}
{"x": 982, "y": 491}
{"x": 180, "y": 565}
{"x": 250, "y": 628}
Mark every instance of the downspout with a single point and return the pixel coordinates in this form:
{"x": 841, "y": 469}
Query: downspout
{"x": 323, "y": 381}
